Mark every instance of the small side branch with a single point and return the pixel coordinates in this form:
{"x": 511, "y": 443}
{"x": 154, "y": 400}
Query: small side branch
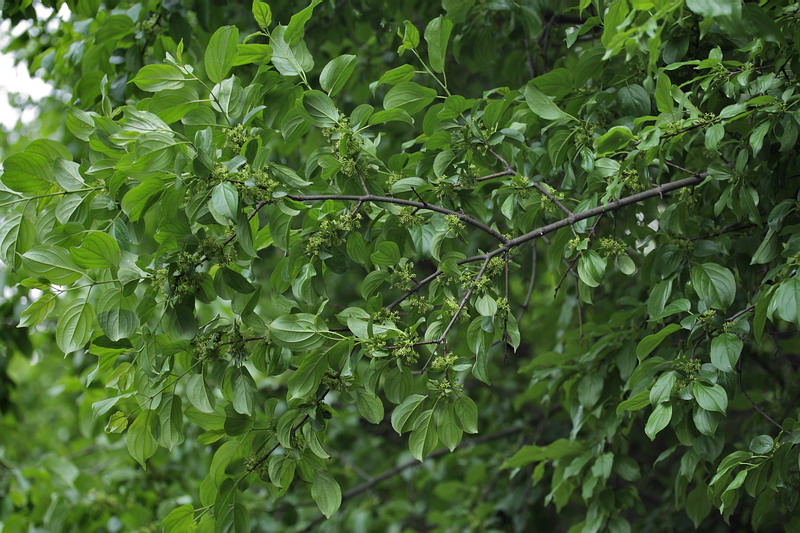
{"x": 399, "y": 201}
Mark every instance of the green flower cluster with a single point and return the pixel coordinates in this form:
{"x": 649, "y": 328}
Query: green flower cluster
{"x": 409, "y": 217}
{"x": 403, "y": 276}
{"x": 609, "y": 247}
{"x": 236, "y": 137}
{"x": 332, "y": 232}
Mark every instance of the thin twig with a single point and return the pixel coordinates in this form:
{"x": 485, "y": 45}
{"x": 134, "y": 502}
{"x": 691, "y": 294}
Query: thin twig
{"x": 390, "y": 473}
{"x": 362, "y": 182}
{"x": 399, "y": 201}
{"x": 531, "y": 283}
{"x": 755, "y": 406}
{"x": 506, "y": 172}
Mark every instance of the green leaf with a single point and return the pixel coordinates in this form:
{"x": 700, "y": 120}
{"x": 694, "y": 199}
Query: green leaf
{"x": 244, "y": 391}
{"x": 139, "y": 199}
{"x": 157, "y": 78}
{"x": 221, "y": 53}
{"x": 658, "y": 420}
{"x": 387, "y": 254}
{"x": 662, "y": 390}
{"x": 117, "y": 423}
{"x": 290, "y": 60}
{"x": 449, "y": 432}
{"x": 591, "y": 268}
{"x": 541, "y": 104}
{"x": 336, "y": 73}
{"x": 37, "y": 311}
{"x": 725, "y": 351}
{"x": 116, "y": 314}
{"x": 405, "y": 414}
{"x": 224, "y": 203}
{"x": 180, "y": 519}
{"x": 262, "y": 13}
{"x": 634, "y": 403}
{"x": 170, "y": 417}
{"x": 326, "y": 492}
{"x": 713, "y": 136}
{"x": 698, "y": 506}
{"x": 75, "y": 326}
{"x": 296, "y": 332}
{"x": 27, "y": 173}
{"x": 787, "y": 300}
{"x": 297, "y": 24}
{"x": 397, "y": 75}
{"x": 710, "y": 397}
{"x": 140, "y": 441}
{"x": 321, "y": 109}
{"x": 51, "y": 263}
{"x": 307, "y": 377}
{"x": 625, "y": 264}
{"x": 706, "y": 422}
{"x": 557, "y": 449}
{"x": 711, "y": 8}
{"x": 762, "y": 444}
{"x": 253, "y": 54}
{"x": 663, "y": 93}
{"x": 467, "y": 413}
{"x": 370, "y": 406}
{"x": 410, "y": 37}
{"x": 613, "y": 140}
{"x": 715, "y": 284}
{"x": 651, "y": 342}
{"x": 409, "y": 96}
{"x": 198, "y": 394}
{"x": 391, "y": 115}
{"x": 437, "y": 33}
{"x": 97, "y": 250}
{"x": 67, "y": 175}
{"x": 423, "y": 438}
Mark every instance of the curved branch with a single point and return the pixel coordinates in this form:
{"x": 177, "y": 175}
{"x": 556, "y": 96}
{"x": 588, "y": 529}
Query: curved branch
{"x": 399, "y": 201}
{"x": 563, "y": 223}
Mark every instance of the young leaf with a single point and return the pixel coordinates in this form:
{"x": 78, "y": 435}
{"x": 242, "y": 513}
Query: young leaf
{"x": 262, "y": 13}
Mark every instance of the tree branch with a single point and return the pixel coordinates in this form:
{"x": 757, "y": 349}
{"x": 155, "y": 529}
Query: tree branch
{"x": 399, "y": 201}
{"x": 563, "y": 223}
{"x": 390, "y": 473}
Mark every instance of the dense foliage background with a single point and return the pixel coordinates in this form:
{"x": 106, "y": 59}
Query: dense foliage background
{"x": 263, "y": 259}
